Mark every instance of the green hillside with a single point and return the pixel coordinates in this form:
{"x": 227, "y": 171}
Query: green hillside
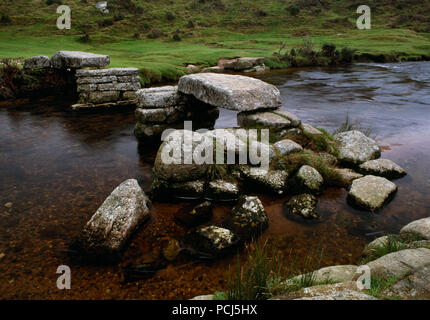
{"x": 162, "y": 36}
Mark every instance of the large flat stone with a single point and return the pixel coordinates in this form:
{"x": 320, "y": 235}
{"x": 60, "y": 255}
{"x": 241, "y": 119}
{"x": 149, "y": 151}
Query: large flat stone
{"x": 371, "y": 192}
{"x": 382, "y": 167}
{"x": 231, "y": 91}
{"x": 78, "y": 59}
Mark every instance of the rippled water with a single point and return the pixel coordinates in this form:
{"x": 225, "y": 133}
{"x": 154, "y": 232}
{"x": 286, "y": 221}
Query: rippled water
{"x": 56, "y": 168}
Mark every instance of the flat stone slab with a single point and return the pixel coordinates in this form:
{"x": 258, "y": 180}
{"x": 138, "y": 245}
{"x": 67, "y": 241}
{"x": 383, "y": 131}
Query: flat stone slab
{"x": 307, "y": 128}
{"x": 107, "y": 72}
{"x": 335, "y": 274}
{"x": 399, "y": 263}
{"x": 355, "y": 147}
{"x": 159, "y": 97}
{"x": 347, "y": 175}
{"x": 231, "y": 91}
{"x": 419, "y": 227}
{"x": 276, "y": 119}
{"x": 371, "y": 192}
{"x": 37, "y": 62}
{"x": 382, "y": 167}
{"x": 78, "y": 59}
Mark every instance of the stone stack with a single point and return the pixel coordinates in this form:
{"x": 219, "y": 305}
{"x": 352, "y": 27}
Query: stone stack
{"x": 107, "y": 86}
{"x": 162, "y": 108}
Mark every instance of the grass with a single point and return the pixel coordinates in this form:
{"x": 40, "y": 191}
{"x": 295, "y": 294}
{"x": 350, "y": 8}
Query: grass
{"x": 379, "y": 285}
{"x": 394, "y": 243}
{"x": 349, "y": 125}
{"x": 219, "y": 29}
{"x": 263, "y": 275}
{"x": 293, "y": 162}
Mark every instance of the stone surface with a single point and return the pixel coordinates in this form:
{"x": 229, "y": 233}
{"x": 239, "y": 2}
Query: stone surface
{"x": 414, "y": 286}
{"x": 99, "y": 96}
{"x": 308, "y": 129}
{"x": 287, "y": 146}
{"x": 170, "y": 163}
{"x": 205, "y": 297}
{"x": 273, "y": 180}
{"x": 335, "y": 274}
{"x": 106, "y": 233}
{"x": 192, "y": 69}
{"x": 172, "y": 250}
{"x": 241, "y": 64}
{"x": 231, "y": 91}
{"x": 121, "y": 86}
{"x": 95, "y": 80}
{"x": 382, "y": 167}
{"x": 356, "y": 148}
{"x": 160, "y": 115}
{"x": 378, "y": 242}
{"x": 213, "y": 240}
{"x": 248, "y": 217}
{"x": 223, "y": 190}
{"x": 309, "y": 179}
{"x": 419, "y": 227}
{"x": 304, "y": 205}
{"x": 196, "y": 215}
{"x": 348, "y": 176}
{"x": 37, "y": 62}
{"x": 371, "y": 192}
{"x": 275, "y": 120}
{"x": 107, "y": 72}
{"x": 339, "y": 291}
{"x": 78, "y": 59}
{"x": 214, "y": 69}
{"x": 400, "y": 263}
{"x": 159, "y": 97}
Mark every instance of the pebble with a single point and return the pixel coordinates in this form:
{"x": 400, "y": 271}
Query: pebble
{"x": 8, "y": 205}
{"x": 2, "y": 255}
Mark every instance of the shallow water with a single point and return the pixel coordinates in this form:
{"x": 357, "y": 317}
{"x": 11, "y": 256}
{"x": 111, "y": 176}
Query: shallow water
{"x": 56, "y": 168}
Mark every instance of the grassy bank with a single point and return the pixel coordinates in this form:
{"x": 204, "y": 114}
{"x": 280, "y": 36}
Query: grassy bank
{"x": 141, "y": 34}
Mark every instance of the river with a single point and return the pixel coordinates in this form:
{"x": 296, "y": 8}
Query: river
{"x": 57, "y": 167}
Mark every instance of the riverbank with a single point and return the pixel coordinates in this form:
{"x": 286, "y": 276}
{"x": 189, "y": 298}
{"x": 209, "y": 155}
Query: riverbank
{"x": 165, "y": 60}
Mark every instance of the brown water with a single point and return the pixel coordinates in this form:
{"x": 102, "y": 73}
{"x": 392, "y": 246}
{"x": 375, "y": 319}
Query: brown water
{"x": 56, "y": 168}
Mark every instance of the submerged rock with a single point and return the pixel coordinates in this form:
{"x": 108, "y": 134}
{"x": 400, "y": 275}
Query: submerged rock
{"x": 231, "y": 91}
{"x": 196, "y": 215}
{"x": 371, "y": 192}
{"x": 356, "y": 148}
{"x": 400, "y": 263}
{"x": 123, "y": 211}
{"x": 382, "y": 167}
{"x": 223, "y": 190}
{"x": 213, "y": 240}
{"x": 304, "y": 205}
{"x": 248, "y": 217}
{"x": 309, "y": 179}
{"x": 272, "y": 180}
{"x": 419, "y": 227}
{"x": 78, "y": 60}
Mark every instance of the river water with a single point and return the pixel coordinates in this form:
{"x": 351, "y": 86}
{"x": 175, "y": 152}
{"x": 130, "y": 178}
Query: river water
{"x": 57, "y": 167}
